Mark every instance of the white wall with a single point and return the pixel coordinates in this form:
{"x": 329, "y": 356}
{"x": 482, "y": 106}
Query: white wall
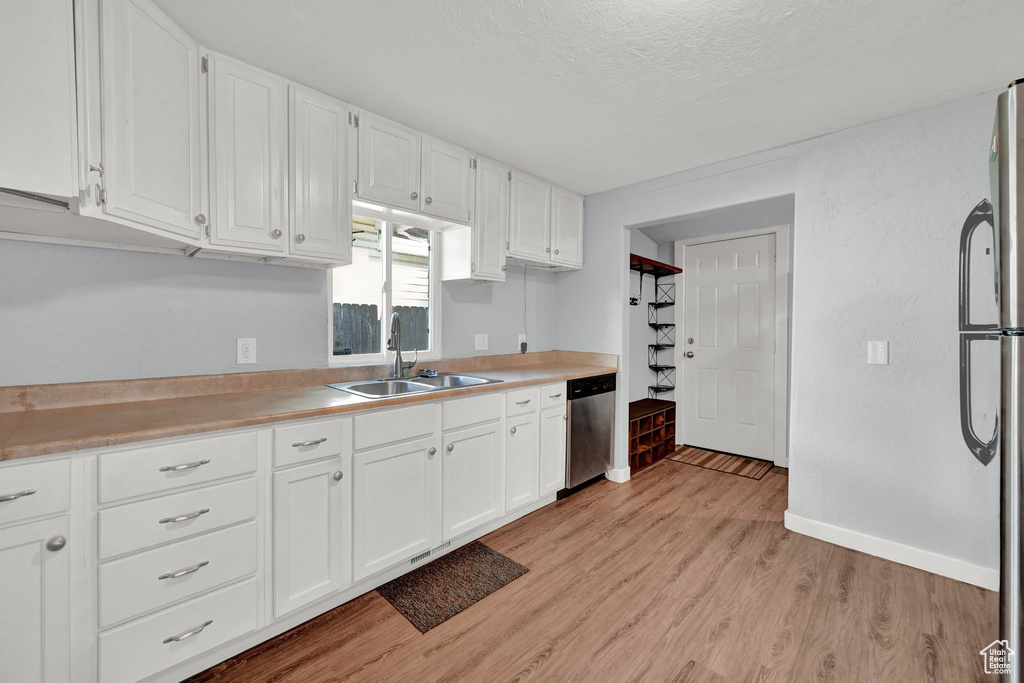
{"x": 71, "y": 314}
{"x": 640, "y": 335}
{"x": 874, "y": 449}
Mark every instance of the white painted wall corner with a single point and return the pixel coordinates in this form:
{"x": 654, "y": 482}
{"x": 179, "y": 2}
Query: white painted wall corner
{"x": 619, "y": 476}
{"x": 942, "y": 565}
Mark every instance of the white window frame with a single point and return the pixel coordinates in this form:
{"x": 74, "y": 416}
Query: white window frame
{"x": 435, "y": 306}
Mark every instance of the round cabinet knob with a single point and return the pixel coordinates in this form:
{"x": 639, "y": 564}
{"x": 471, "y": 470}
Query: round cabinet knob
{"x": 338, "y": 475}
{"x": 432, "y": 451}
{"x": 275, "y": 233}
{"x": 56, "y": 543}
{"x": 300, "y": 238}
{"x": 200, "y": 219}
{"x": 548, "y": 250}
{"x": 689, "y": 354}
{"x": 451, "y": 447}
{"x": 428, "y": 200}
{"x": 414, "y": 195}
{"x": 689, "y": 340}
{"x": 513, "y": 430}
{"x": 503, "y": 268}
{"x": 556, "y": 252}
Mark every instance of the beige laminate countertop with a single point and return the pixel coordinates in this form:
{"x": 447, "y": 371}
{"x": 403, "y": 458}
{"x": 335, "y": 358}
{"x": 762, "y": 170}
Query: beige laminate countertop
{"x": 29, "y": 433}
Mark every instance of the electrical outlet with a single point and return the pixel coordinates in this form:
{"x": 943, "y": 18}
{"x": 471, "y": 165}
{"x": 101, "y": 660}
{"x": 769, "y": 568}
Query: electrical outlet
{"x": 481, "y": 342}
{"x": 246, "y": 350}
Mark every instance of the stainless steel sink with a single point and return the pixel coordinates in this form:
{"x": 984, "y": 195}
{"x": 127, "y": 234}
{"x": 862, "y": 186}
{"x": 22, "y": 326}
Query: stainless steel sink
{"x": 385, "y": 388}
{"x": 452, "y": 381}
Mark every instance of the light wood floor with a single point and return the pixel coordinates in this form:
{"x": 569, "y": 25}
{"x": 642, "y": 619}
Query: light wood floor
{"x": 681, "y": 574}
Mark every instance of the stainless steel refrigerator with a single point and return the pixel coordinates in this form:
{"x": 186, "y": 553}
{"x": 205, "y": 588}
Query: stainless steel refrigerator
{"x": 1008, "y": 219}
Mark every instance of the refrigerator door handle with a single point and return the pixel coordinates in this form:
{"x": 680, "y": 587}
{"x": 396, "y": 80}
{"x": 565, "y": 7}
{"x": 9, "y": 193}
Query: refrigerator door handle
{"x": 984, "y": 451}
{"x": 980, "y": 215}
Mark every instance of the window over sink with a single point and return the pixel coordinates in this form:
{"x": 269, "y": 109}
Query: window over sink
{"x": 393, "y": 270}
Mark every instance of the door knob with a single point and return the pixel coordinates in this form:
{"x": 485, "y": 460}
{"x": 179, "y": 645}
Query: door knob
{"x": 414, "y": 195}
{"x": 339, "y": 475}
{"x": 275, "y": 233}
{"x": 428, "y": 200}
{"x": 432, "y": 451}
{"x": 56, "y": 543}
{"x": 689, "y": 354}
{"x": 451, "y": 447}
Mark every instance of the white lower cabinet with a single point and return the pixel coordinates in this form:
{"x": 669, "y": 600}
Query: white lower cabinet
{"x": 474, "y": 479}
{"x": 396, "y": 496}
{"x": 310, "y": 559}
{"x": 552, "y": 450}
{"x": 35, "y": 598}
{"x": 522, "y": 450}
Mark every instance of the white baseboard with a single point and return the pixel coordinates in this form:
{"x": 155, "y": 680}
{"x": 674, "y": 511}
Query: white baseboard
{"x": 943, "y": 565}
{"x": 619, "y": 476}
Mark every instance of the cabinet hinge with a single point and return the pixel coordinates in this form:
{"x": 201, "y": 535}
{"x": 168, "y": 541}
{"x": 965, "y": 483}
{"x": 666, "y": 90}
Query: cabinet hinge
{"x": 510, "y": 175}
{"x": 355, "y": 186}
{"x": 102, "y": 196}
{"x": 208, "y": 233}
{"x": 204, "y": 64}
{"x": 473, "y": 163}
{"x": 355, "y": 120}
{"x": 507, "y": 247}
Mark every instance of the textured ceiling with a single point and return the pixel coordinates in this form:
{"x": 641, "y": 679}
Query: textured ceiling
{"x": 594, "y": 94}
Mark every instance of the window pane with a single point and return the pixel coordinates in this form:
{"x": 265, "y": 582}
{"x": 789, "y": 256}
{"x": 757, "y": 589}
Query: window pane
{"x": 358, "y": 292}
{"x": 410, "y": 295}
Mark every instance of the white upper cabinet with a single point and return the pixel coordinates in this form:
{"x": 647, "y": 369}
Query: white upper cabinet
{"x": 530, "y": 228}
{"x": 490, "y": 229}
{"x": 447, "y": 181}
{"x": 37, "y": 108}
{"x": 150, "y": 120}
{"x": 320, "y": 184}
{"x": 566, "y": 227}
{"x": 389, "y": 162}
{"x": 248, "y": 156}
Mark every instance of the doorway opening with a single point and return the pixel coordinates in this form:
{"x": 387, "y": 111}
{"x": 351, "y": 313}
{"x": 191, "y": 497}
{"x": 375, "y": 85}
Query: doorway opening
{"x": 731, "y": 322}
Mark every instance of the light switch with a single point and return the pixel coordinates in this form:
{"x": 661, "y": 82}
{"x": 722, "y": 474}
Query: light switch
{"x": 481, "y": 342}
{"x": 878, "y": 353}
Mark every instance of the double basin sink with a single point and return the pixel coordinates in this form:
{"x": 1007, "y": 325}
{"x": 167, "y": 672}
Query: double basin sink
{"x": 387, "y": 388}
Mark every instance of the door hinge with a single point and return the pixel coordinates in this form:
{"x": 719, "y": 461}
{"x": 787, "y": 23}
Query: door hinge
{"x": 205, "y": 64}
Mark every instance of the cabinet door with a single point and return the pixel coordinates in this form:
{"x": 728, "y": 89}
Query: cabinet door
{"x": 35, "y": 594}
{"x": 529, "y": 232}
{"x": 566, "y": 227}
{"x": 37, "y": 110}
{"x": 521, "y": 455}
{"x": 389, "y": 163}
{"x": 309, "y": 534}
{"x": 474, "y": 479}
{"x": 396, "y": 505}
{"x": 322, "y": 143}
{"x": 552, "y": 450}
{"x": 248, "y": 138}
{"x": 490, "y": 225}
{"x": 447, "y": 172}
{"x": 150, "y": 75}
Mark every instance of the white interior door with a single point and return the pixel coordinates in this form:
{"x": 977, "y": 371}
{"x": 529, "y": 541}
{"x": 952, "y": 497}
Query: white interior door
{"x": 729, "y": 327}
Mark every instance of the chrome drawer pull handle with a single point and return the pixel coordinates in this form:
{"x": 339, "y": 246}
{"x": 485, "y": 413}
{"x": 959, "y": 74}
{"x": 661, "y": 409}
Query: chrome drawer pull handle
{"x": 184, "y": 518}
{"x": 555, "y": 396}
{"x": 522, "y": 403}
{"x": 314, "y": 442}
{"x": 183, "y": 572}
{"x": 188, "y": 634}
{"x": 16, "y": 496}
{"x": 189, "y": 466}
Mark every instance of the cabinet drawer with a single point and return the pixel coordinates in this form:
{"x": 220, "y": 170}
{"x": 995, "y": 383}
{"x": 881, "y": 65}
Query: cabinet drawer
{"x": 311, "y": 441}
{"x": 41, "y": 488}
{"x": 522, "y": 401}
{"x": 142, "y": 525}
{"x": 131, "y": 586}
{"x": 390, "y": 426}
{"x": 463, "y": 412}
{"x": 163, "y": 468}
{"x": 552, "y": 395}
{"x": 139, "y": 649}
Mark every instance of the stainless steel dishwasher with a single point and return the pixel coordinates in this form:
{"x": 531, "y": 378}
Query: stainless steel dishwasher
{"x": 589, "y": 432}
